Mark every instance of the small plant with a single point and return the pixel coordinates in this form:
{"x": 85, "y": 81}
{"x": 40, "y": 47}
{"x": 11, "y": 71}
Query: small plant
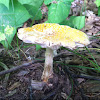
{"x": 58, "y": 10}
{"x": 7, "y": 36}
{"x": 14, "y": 13}
{"x": 97, "y": 2}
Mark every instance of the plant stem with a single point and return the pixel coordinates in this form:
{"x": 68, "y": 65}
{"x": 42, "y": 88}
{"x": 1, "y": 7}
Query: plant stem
{"x": 48, "y": 67}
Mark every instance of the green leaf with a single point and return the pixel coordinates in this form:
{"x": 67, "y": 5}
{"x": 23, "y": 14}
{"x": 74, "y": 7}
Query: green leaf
{"x": 58, "y": 12}
{"x": 75, "y": 22}
{"x": 78, "y": 21}
{"x": 33, "y": 7}
{"x": 67, "y": 0}
{"x": 97, "y": 2}
{"x": 38, "y": 47}
{"x": 47, "y": 2}
{"x": 15, "y": 16}
{"x": 32, "y": 2}
{"x": 34, "y": 11}
{"x": 7, "y": 36}
{"x": 5, "y": 2}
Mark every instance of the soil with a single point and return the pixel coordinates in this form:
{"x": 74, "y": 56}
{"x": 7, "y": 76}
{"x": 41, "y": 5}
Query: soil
{"x": 26, "y": 84}
{"x": 75, "y": 77}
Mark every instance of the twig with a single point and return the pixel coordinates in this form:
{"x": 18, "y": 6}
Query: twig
{"x": 86, "y": 77}
{"x": 18, "y": 67}
{"x": 31, "y": 93}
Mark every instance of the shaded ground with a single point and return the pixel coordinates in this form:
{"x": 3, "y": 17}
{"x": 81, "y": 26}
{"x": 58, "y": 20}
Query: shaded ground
{"x": 67, "y": 80}
{"x": 71, "y": 80}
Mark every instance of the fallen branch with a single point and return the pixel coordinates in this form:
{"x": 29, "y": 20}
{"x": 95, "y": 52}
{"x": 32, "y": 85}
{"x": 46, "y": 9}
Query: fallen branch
{"x": 86, "y": 77}
{"x": 18, "y": 67}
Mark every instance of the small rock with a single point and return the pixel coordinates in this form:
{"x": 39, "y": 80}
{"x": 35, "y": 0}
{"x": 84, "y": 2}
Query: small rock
{"x": 37, "y": 85}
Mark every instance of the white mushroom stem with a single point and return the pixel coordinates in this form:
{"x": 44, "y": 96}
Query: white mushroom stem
{"x": 55, "y": 52}
{"x": 48, "y": 67}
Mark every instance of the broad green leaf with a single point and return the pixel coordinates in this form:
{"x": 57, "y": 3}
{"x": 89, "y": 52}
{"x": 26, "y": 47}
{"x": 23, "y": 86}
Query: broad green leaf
{"x": 75, "y": 22}
{"x": 33, "y": 7}
{"x": 67, "y": 0}
{"x": 58, "y": 12}
{"x": 34, "y": 11}
{"x": 47, "y": 2}
{"x": 37, "y": 3}
{"x": 72, "y": 0}
{"x": 97, "y": 2}
{"x": 5, "y": 2}
{"x": 78, "y": 21}
{"x": 26, "y": 1}
{"x": 7, "y": 36}
{"x": 15, "y": 16}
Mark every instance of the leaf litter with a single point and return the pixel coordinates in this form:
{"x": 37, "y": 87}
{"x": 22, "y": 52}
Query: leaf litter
{"x": 26, "y": 83}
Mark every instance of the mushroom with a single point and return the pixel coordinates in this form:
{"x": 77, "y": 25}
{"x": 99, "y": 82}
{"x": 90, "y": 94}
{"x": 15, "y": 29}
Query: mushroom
{"x": 52, "y": 36}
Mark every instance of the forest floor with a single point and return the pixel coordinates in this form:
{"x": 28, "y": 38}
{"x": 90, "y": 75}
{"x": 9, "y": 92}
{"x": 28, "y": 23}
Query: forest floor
{"x": 76, "y": 73}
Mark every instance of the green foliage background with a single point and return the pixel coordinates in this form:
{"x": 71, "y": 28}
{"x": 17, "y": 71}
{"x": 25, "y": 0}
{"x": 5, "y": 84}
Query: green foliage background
{"x": 97, "y": 2}
{"x": 14, "y": 13}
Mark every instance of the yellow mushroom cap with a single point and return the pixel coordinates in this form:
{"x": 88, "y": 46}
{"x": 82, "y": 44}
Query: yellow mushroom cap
{"x": 53, "y": 36}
